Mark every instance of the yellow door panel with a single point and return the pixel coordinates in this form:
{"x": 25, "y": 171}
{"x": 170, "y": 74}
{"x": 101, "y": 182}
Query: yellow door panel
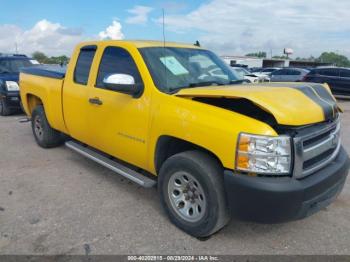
{"x": 119, "y": 124}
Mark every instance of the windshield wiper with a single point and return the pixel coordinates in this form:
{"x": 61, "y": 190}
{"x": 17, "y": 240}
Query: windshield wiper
{"x": 207, "y": 83}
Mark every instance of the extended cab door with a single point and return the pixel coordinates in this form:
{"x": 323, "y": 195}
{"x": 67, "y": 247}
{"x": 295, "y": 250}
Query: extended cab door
{"x": 75, "y": 93}
{"x": 118, "y": 123}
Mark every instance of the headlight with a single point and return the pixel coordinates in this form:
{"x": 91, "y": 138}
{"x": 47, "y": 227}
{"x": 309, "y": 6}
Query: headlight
{"x": 264, "y": 154}
{"x": 12, "y": 86}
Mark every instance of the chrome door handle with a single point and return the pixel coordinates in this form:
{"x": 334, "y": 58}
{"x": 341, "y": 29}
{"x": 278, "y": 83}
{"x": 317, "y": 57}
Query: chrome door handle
{"x": 95, "y": 101}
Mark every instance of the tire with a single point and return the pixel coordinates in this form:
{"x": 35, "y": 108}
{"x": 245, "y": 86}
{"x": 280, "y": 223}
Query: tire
{"x": 21, "y": 107}
{"x": 4, "y": 109}
{"x": 204, "y": 189}
{"x": 44, "y": 134}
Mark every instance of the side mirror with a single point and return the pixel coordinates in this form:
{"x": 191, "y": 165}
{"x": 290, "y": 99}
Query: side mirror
{"x": 122, "y": 83}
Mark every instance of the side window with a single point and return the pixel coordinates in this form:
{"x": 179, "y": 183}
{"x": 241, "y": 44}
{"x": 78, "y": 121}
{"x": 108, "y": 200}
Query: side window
{"x": 330, "y": 72}
{"x": 277, "y": 72}
{"x": 116, "y": 60}
{"x": 322, "y": 72}
{"x": 314, "y": 72}
{"x": 345, "y": 73}
{"x": 83, "y": 66}
{"x": 280, "y": 72}
{"x": 294, "y": 72}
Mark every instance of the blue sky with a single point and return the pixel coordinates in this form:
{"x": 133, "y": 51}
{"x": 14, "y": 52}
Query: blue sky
{"x": 91, "y": 17}
{"x": 230, "y": 27}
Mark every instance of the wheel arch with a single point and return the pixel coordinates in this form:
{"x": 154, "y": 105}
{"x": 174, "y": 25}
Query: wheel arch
{"x": 32, "y": 101}
{"x": 168, "y": 146}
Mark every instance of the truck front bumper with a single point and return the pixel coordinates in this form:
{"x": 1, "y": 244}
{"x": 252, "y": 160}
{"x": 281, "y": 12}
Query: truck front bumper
{"x": 281, "y": 199}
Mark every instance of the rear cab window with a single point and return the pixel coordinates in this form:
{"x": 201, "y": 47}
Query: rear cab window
{"x": 83, "y": 65}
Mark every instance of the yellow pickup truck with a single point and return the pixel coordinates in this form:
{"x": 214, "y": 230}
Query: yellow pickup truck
{"x": 175, "y": 116}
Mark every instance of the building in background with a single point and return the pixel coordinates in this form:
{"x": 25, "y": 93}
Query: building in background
{"x": 247, "y": 61}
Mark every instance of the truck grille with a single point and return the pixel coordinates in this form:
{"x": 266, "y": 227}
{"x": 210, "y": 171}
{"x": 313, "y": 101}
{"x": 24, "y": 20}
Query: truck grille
{"x": 316, "y": 149}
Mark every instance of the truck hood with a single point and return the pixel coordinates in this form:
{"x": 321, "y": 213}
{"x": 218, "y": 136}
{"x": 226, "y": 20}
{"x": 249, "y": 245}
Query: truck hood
{"x": 293, "y": 104}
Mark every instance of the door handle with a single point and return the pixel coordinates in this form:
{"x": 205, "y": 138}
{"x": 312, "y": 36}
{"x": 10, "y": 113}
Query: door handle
{"x": 95, "y": 101}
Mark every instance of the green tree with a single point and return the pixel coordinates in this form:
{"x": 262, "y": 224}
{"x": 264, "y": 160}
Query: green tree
{"x": 333, "y": 58}
{"x": 62, "y": 60}
{"x": 280, "y": 57}
{"x": 259, "y": 54}
{"x": 311, "y": 58}
{"x": 40, "y": 56}
{"x": 44, "y": 59}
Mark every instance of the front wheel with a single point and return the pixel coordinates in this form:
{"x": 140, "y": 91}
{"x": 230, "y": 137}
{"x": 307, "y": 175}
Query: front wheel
{"x": 192, "y": 193}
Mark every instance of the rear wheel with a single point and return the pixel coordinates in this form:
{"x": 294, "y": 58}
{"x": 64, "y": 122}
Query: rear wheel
{"x": 192, "y": 193}
{"x": 44, "y": 134}
{"x": 4, "y": 108}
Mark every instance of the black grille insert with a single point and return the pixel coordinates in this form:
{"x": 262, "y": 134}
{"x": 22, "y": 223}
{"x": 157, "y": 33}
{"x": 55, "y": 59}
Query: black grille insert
{"x": 316, "y": 160}
{"x": 315, "y": 140}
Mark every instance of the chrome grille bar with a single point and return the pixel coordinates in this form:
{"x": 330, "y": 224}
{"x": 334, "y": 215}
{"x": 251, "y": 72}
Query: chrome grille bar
{"x": 330, "y": 143}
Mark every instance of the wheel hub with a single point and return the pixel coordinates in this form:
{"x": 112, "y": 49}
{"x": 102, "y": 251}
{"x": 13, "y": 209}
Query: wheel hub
{"x": 38, "y": 128}
{"x": 186, "y": 196}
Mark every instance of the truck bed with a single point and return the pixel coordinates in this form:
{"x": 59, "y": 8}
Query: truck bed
{"x": 51, "y": 71}
{"x": 44, "y": 85}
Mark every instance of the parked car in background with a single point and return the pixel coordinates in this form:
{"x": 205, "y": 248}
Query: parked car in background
{"x": 255, "y": 69}
{"x": 243, "y": 73}
{"x": 269, "y": 70}
{"x": 266, "y": 71}
{"x": 337, "y": 78}
{"x": 9, "y": 74}
{"x": 288, "y": 75}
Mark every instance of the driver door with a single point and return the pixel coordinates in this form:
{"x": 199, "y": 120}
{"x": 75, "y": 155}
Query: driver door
{"x": 118, "y": 123}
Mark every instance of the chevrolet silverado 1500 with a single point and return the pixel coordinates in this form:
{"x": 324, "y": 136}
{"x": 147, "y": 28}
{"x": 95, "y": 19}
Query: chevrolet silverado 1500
{"x": 155, "y": 114}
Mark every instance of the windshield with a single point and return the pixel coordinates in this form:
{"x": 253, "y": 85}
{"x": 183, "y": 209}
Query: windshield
{"x": 175, "y": 68}
{"x": 14, "y": 65}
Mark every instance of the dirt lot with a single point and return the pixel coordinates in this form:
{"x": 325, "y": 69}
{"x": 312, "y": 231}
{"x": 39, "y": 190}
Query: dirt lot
{"x": 57, "y": 202}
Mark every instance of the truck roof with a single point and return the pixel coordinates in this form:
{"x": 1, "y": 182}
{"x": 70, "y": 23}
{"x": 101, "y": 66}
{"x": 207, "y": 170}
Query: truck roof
{"x": 141, "y": 43}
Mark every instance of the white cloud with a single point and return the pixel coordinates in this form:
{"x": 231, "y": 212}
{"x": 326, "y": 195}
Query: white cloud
{"x": 113, "y": 32}
{"x": 240, "y": 26}
{"x": 140, "y": 14}
{"x": 50, "y": 38}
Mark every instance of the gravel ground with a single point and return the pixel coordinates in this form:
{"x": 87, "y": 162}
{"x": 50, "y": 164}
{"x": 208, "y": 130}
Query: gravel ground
{"x": 57, "y": 202}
